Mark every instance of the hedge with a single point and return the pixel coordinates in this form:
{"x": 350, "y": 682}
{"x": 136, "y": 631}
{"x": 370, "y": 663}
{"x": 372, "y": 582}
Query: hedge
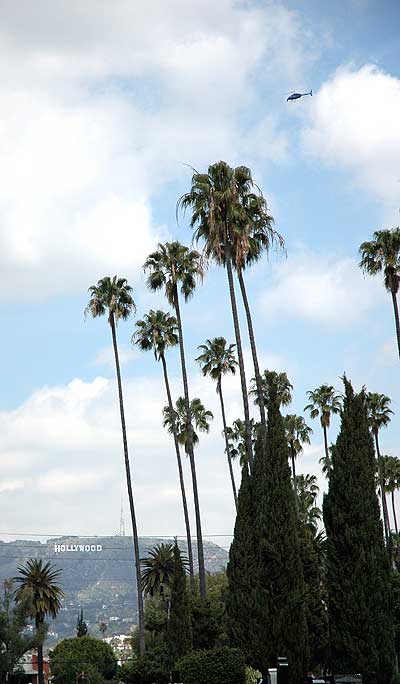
{"x": 217, "y": 666}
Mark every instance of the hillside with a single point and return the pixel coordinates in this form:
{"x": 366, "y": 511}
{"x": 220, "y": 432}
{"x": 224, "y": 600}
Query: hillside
{"x": 98, "y": 574}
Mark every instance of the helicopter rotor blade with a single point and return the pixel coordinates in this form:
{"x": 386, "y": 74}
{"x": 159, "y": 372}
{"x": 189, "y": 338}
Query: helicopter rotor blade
{"x": 290, "y": 93}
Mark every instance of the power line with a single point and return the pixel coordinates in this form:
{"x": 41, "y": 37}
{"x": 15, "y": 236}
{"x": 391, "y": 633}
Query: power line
{"x": 105, "y": 536}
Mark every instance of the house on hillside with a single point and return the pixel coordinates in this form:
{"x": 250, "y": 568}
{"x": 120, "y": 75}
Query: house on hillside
{"x": 27, "y": 670}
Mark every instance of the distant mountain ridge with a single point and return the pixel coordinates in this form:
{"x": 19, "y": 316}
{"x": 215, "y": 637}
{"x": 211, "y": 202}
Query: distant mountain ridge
{"x": 98, "y": 575}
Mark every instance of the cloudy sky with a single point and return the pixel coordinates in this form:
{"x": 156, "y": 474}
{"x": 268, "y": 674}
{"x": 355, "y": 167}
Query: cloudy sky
{"x": 102, "y": 106}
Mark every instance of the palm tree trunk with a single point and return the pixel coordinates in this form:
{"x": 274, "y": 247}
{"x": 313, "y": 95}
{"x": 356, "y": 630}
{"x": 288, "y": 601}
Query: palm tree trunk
{"x": 181, "y": 480}
{"x": 39, "y": 623}
{"x": 260, "y": 393}
{"x": 328, "y": 460}
{"x": 394, "y": 514}
{"x": 228, "y": 261}
{"x": 396, "y": 318}
{"x": 200, "y": 550}
{"x": 219, "y": 388}
{"x": 129, "y": 485}
{"x": 383, "y": 497}
{"x": 293, "y": 458}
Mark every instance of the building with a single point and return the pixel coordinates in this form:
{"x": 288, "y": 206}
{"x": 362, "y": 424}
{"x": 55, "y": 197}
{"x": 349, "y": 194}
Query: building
{"x": 28, "y": 670}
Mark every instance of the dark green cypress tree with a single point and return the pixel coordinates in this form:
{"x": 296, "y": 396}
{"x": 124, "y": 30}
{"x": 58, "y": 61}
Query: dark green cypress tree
{"x": 81, "y": 626}
{"x": 315, "y": 598}
{"x": 241, "y": 572}
{"x": 358, "y": 571}
{"x": 179, "y": 630}
{"x": 281, "y": 625}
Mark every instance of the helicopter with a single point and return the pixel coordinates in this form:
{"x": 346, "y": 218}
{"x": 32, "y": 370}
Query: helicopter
{"x": 295, "y": 96}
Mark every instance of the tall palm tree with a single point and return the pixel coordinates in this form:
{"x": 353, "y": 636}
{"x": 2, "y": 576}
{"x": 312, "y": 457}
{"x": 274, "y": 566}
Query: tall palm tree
{"x": 297, "y": 434}
{"x": 41, "y": 579}
{"x": 280, "y": 383}
{"x": 379, "y": 413}
{"x": 174, "y": 267}
{"x": 324, "y": 401}
{"x": 382, "y": 255}
{"x": 218, "y": 215}
{"x": 113, "y": 296}
{"x": 391, "y": 474}
{"x": 158, "y": 331}
{"x": 218, "y": 359}
{"x": 177, "y": 419}
{"x": 158, "y": 569}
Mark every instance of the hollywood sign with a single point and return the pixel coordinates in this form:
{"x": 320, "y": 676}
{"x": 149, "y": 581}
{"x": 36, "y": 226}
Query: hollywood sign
{"x": 62, "y": 548}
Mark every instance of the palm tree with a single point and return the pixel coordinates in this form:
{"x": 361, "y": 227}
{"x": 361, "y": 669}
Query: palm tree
{"x": 113, "y": 296}
{"x": 391, "y": 474}
{"x": 309, "y": 513}
{"x": 218, "y": 359}
{"x": 158, "y": 331}
{"x": 237, "y": 439}
{"x": 379, "y": 413}
{"x": 218, "y": 214}
{"x": 297, "y": 434}
{"x": 280, "y": 383}
{"x": 41, "y": 579}
{"x": 324, "y": 401}
{"x": 158, "y": 569}
{"x": 382, "y": 255}
{"x": 177, "y": 419}
{"x": 170, "y": 267}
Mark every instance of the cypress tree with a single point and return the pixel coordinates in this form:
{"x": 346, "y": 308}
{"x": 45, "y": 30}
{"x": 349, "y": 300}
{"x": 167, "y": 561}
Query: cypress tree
{"x": 315, "y": 598}
{"x": 281, "y": 625}
{"x": 179, "y": 631}
{"x": 358, "y": 571}
{"x": 81, "y": 626}
{"x": 241, "y": 572}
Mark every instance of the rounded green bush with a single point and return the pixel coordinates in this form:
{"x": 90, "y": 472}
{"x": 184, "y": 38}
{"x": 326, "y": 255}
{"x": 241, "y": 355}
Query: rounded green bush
{"x": 217, "y": 666}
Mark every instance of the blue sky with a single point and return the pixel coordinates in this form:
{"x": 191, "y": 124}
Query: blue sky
{"x": 101, "y": 108}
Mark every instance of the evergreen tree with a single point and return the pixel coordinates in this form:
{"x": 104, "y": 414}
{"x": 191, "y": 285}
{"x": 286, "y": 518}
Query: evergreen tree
{"x": 358, "y": 571}
{"x": 241, "y": 571}
{"x": 280, "y": 591}
{"x": 179, "y": 632}
{"x": 314, "y": 598}
{"x": 81, "y": 626}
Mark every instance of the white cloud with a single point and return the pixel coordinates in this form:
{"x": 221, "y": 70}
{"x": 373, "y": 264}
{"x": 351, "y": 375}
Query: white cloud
{"x": 10, "y": 485}
{"x": 355, "y": 125}
{"x": 100, "y": 105}
{"x": 320, "y": 289}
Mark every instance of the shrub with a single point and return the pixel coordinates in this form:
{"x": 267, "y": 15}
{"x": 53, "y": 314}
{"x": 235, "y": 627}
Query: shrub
{"x": 83, "y": 653}
{"x": 148, "y": 668}
{"x": 218, "y": 666}
{"x": 253, "y": 676}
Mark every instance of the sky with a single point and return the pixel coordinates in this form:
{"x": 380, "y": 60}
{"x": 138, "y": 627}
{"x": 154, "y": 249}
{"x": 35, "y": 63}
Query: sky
{"x": 104, "y": 107}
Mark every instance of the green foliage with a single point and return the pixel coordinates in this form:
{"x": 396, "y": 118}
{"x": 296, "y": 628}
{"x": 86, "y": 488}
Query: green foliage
{"x": 112, "y": 296}
{"x": 42, "y": 579}
{"x": 395, "y": 580}
{"x": 81, "y": 626}
{"x": 280, "y": 627}
{"x": 179, "y": 630}
{"x": 14, "y": 641}
{"x": 241, "y": 571}
{"x": 358, "y": 571}
{"x": 158, "y": 569}
{"x": 218, "y": 666}
{"x": 149, "y": 668}
{"x": 252, "y": 676}
{"x": 315, "y": 597}
{"x": 88, "y": 654}
{"x": 176, "y": 420}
